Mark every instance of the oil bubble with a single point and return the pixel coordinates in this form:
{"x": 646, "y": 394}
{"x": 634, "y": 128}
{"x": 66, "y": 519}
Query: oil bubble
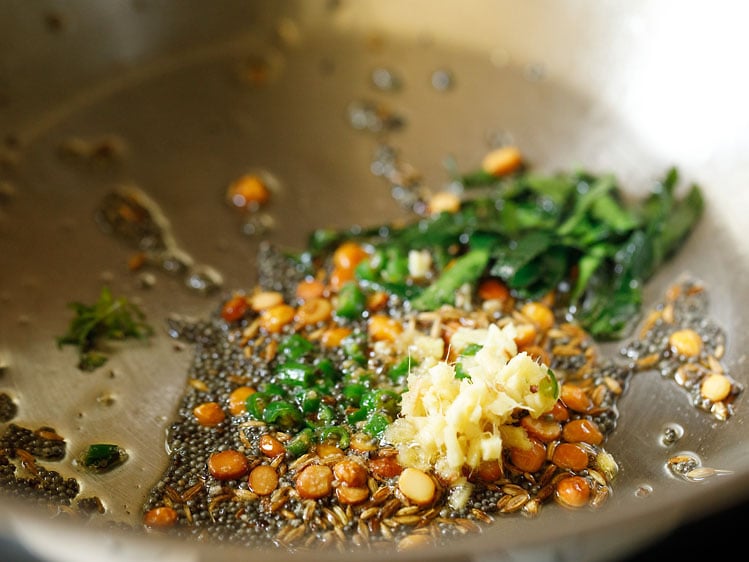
{"x": 386, "y": 80}
{"x": 204, "y": 279}
{"x": 442, "y": 80}
{"x": 257, "y": 225}
{"x": 683, "y": 463}
{"x": 671, "y": 434}
{"x": 643, "y": 490}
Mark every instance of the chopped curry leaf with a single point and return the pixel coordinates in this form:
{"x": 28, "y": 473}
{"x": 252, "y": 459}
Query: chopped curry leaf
{"x": 109, "y": 318}
{"x": 571, "y": 233}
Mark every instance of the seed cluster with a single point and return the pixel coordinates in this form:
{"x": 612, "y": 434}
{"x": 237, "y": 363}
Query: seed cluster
{"x": 20, "y": 473}
{"x": 8, "y": 408}
{"x": 238, "y": 478}
{"x": 679, "y": 339}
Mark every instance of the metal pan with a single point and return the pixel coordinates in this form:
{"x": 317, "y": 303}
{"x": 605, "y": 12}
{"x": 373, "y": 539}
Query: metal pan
{"x": 180, "y": 98}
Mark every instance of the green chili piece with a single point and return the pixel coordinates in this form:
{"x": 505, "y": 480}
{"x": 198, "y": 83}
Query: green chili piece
{"x": 273, "y": 389}
{"x": 295, "y": 347}
{"x": 351, "y": 301}
{"x": 300, "y": 443}
{"x": 381, "y": 400}
{"x": 325, "y": 414}
{"x": 338, "y": 433}
{"x": 355, "y": 347}
{"x": 296, "y": 374}
{"x": 353, "y": 393}
{"x": 396, "y": 266}
{"x": 399, "y": 371}
{"x": 102, "y": 457}
{"x": 256, "y": 404}
{"x": 376, "y": 424}
{"x": 327, "y": 369}
{"x": 283, "y": 414}
{"x": 357, "y": 416}
{"x": 550, "y": 385}
{"x": 308, "y": 399}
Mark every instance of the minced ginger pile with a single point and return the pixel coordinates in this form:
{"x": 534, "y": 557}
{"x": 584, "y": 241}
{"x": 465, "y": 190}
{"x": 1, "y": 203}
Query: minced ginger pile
{"x": 457, "y": 414}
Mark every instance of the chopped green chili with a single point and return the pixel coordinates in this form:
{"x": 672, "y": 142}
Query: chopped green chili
{"x": 102, "y": 457}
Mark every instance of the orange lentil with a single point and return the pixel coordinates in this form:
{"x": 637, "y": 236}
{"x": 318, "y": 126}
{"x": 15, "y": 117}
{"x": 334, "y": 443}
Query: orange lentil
{"x": 384, "y": 328}
{"x": 573, "y": 491}
{"x": 350, "y": 495}
{"x": 310, "y": 289}
{"x": 417, "y": 486}
{"x": 332, "y": 337}
{"x": 559, "y": 412}
{"x": 314, "y": 482}
{"x": 276, "y": 317}
{"x": 575, "y": 398}
{"x": 247, "y": 192}
{"x": 525, "y": 335}
{"x": 160, "y": 518}
{"x": 531, "y": 459}
{"x": 686, "y": 342}
{"x": 339, "y": 277}
{"x": 350, "y": 472}
{"x": 570, "y": 456}
{"x": 540, "y": 314}
{"x": 377, "y": 301}
{"x": 234, "y": 309}
{"x": 263, "y": 300}
{"x": 209, "y": 414}
{"x": 270, "y": 446}
{"x": 324, "y": 450}
{"x": 385, "y": 467}
{"x": 493, "y": 289}
{"x": 314, "y": 310}
{"x": 545, "y": 430}
{"x": 348, "y": 255}
{"x": 502, "y": 161}
{"x": 228, "y": 465}
{"x": 263, "y": 480}
{"x": 489, "y": 471}
{"x": 582, "y": 431}
{"x": 238, "y": 399}
{"x": 444, "y": 202}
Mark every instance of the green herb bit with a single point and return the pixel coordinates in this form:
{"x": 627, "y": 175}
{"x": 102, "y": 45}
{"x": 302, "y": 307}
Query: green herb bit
{"x": 102, "y": 457}
{"x": 471, "y": 349}
{"x": 109, "y": 318}
{"x": 461, "y": 373}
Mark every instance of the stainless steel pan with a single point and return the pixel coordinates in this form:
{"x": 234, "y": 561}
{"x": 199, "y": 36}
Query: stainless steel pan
{"x": 179, "y": 98}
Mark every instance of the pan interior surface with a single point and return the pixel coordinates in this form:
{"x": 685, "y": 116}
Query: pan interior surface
{"x": 180, "y": 104}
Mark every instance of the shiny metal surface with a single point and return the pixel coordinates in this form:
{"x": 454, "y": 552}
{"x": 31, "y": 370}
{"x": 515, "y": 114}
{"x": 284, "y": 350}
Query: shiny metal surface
{"x": 632, "y": 88}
